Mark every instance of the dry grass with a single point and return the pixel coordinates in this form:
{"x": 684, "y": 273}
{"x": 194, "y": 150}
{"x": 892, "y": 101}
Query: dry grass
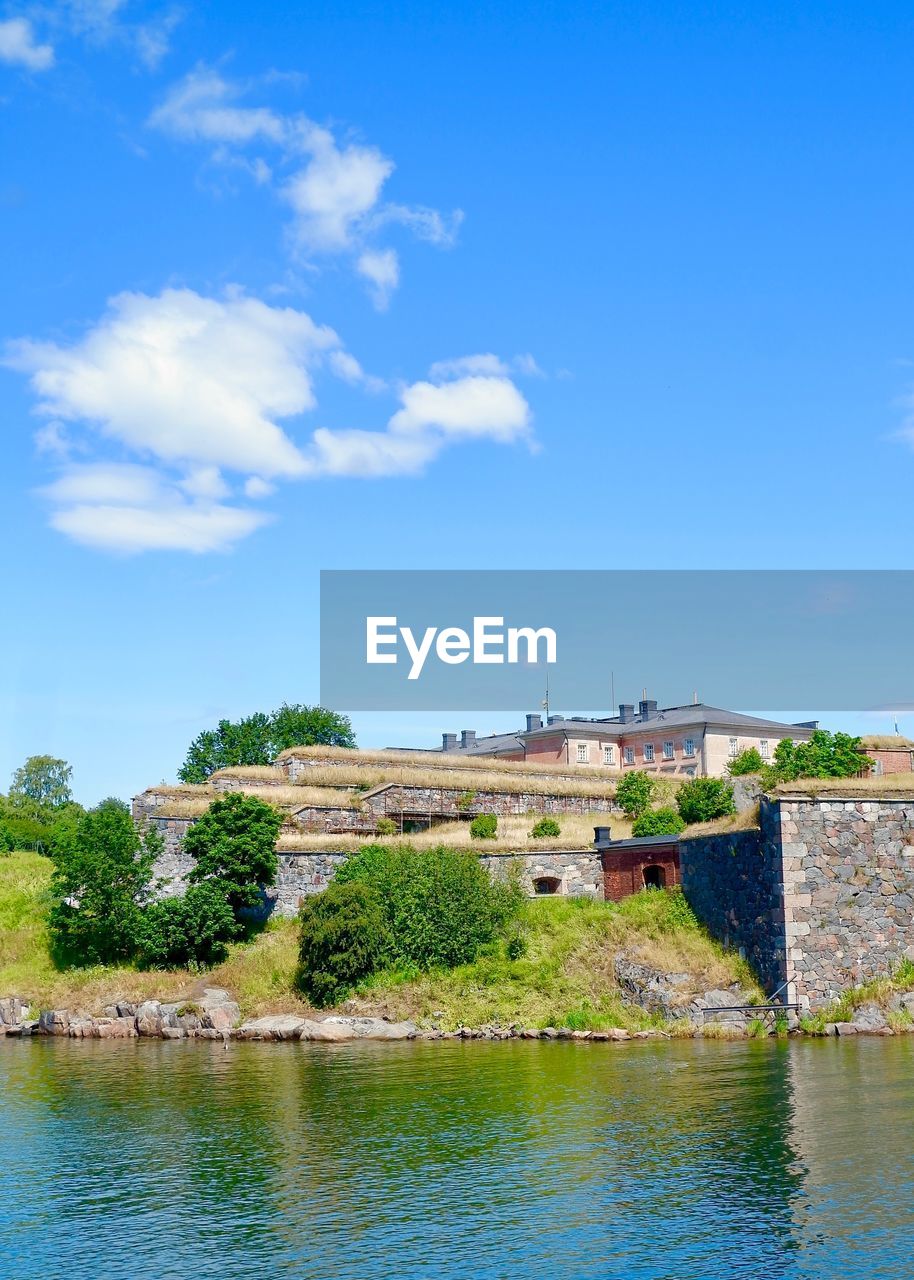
{"x": 369, "y": 778}
{"x": 885, "y": 742}
{"x": 513, "y": 836}
{"x": 286, "y": 799}
{"x": 431, "y": 760}
{"x": 748, "y": 820}
{"x": 252, "y": 773}
{"x": 890, "y": 786}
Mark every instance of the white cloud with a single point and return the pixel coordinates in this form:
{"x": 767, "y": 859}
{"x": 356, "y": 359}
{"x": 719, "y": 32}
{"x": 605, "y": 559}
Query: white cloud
{"x": 176, "y": 527}
{"x": 334, "y": 190}
{"x": 485, "y": 363}
{"x": 201, "y": 108}
{"x": 382, "y": 268}
{"x": 191, "y": 388}
{"x": 472, "y": 406}
{"x": 186, "y": 378}
{"x": 19, "y": 46}
{"x": 103, "y": 22}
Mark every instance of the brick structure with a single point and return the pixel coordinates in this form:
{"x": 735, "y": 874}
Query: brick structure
{"x": 889, "y": 754}
{"x": 645, "y": 862}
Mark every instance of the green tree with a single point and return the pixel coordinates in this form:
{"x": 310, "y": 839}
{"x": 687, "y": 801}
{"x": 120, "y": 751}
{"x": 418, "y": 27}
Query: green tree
{"x": 441, "y": 905}
{"x": 343, "y": 937}
{"x": 634, "y": 792}
{"x": 42, "y": 784}
{"x": 658, "y": 822}
{"x": 100, "y": 883}
{"x": 748, "y": 761}
{"x": 191, "y": 930}
{"x": 703, "y": 799}
{"x": 825, "y": 755}
{"x": 234, "y": 844}
{"x": 259, "y": 738}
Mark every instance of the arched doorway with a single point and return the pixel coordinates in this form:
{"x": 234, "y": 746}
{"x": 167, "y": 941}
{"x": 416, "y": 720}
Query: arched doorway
{"x": 654, "y": 877}
{"x": 546, "y": 884}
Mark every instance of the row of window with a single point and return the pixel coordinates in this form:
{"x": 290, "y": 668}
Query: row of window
{"x": 668, "y": 749}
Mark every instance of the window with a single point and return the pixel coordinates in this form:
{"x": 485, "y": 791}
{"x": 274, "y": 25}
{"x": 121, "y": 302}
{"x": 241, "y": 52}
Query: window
{"x": 688, "y": 747}
{"x": 649, "y": 752}
{"x": 629, "y": 755}
{"x": 609, "y": 755}
{"x": 654, "y": 877}
{"x": 763, "y": 750}
{"x": 546, "y": 884}
{"x": 668, "y": 751}
{"x": 583, "y": 753}
{"x": 734, "y": 748}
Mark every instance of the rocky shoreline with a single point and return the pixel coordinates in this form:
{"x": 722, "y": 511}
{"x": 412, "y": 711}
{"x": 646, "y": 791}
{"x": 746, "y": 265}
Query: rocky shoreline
{"x": 216, "y": 1016}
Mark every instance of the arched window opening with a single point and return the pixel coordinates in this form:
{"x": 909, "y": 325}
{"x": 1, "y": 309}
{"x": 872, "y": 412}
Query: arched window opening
{"x": 546, "y": 884}
{"x": 654, "y": 877}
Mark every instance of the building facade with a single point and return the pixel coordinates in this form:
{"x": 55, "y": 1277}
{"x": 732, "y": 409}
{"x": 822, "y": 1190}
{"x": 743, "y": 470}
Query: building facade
{"x": 695, "y": 740}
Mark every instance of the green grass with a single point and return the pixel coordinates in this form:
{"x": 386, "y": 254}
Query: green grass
{"x": 564, "y": 978}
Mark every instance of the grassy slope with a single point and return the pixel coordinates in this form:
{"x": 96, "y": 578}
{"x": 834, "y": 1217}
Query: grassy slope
{"x": 565, "y": 979}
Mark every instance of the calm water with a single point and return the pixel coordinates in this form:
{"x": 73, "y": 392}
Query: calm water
{"x": 523, "y": 1159}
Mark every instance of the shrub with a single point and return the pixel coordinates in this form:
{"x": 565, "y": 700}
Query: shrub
{"x": 658, "y": 822}
{"x": 703, "y": 799}
{"x": 545, "y": 829}
{"x": 516, "y": 946}
{"x": 100, "y": 881}
{"x": 192, "y": 930}
{"x": 7, "y": 844}
{"x": 484, "y": 827}
{"x": 234, "y": 844}
{"x": 748, "y": 761}
{"x": 386, "y": 827}
{"x": 635, "y": 792}
{"x": 343, "y": 938}
{"x": 441, "y": 906}
{"x": 825, "y": 755}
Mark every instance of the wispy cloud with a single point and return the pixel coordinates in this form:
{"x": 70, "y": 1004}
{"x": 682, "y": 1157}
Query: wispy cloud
{"x": 333, "y": 189}
{"x": 20, "y": 47}
{"x": 173, "y": 412}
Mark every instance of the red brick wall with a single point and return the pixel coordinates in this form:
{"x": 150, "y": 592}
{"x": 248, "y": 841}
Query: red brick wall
{"x": 891, "y": 759}
{"x": 623, "y": 869}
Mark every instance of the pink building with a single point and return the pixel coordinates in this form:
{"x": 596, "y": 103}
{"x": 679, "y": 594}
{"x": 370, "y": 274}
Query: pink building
{"x": 687, "y": 741}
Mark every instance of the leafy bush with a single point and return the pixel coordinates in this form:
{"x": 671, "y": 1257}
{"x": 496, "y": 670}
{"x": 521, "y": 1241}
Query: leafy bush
{"x": 100, "y": 882}
{"x": 343, "y": 938}
{"x": 7, "y": 844}
{"x": 658, "y": 822}
{"x": 748, "y": 761}
{"x": 441, "y": 906}
{"x": 545, "y": 829}
{"x": 516, "y": 946}
{"x": 188, "y": 931}
{"x": 703, "y": 799}
{"x": 386, "y": 827}
{"x": 484, "y": 827}
{"x": 234, "y": 844}
{"x": 825, "y": 755}
{"x": 635, "y": 792}
{"x": 259, "y": 738}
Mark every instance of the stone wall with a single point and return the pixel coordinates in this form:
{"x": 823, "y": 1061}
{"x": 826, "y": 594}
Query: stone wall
{"x": 447, "y": 802}
{"x": 734, "y": 885}
{"x": 572, "y": 875}
{"x": 848, "y": 869}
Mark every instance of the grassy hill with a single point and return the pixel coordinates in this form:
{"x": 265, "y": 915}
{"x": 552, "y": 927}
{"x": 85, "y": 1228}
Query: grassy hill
{"x": 565, "y": 977}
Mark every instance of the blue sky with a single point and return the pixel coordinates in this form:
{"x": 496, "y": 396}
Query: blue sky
{"x": 453, "y": 286}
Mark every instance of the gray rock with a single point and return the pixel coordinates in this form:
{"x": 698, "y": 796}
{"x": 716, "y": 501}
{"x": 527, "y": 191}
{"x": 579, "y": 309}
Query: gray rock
{"x": 221, "y": 1017}
{"x": 11, "y": 1011}
{"x": 149, "y": 1018}
{"x": 54, "y": 1022}
{"x": 845, "y": 1029}
{"x": 649, "y": 988}
{"x": 277, "y": 1026}
{"x": 869, "y": 1018}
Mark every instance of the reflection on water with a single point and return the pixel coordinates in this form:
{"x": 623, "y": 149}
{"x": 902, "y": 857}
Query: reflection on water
{"x": 150, "y": 1159}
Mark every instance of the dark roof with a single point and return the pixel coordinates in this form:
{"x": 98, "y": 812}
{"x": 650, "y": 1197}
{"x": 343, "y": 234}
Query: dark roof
{"x": 698, "y": 714}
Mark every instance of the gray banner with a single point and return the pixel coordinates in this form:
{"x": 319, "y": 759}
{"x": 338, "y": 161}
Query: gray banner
{"x": 422, "y": 640}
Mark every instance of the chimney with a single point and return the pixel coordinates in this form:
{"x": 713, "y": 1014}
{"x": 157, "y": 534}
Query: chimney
{"x": 626, "y": 712}
{"x": 449, "y": 742}
{"x": 534, "y": 722}
{"x": 602, "y": 836}
{"x": 648, "y": 708}
{"x": 468, "y": 737}
{"x": 555, "y": 719}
